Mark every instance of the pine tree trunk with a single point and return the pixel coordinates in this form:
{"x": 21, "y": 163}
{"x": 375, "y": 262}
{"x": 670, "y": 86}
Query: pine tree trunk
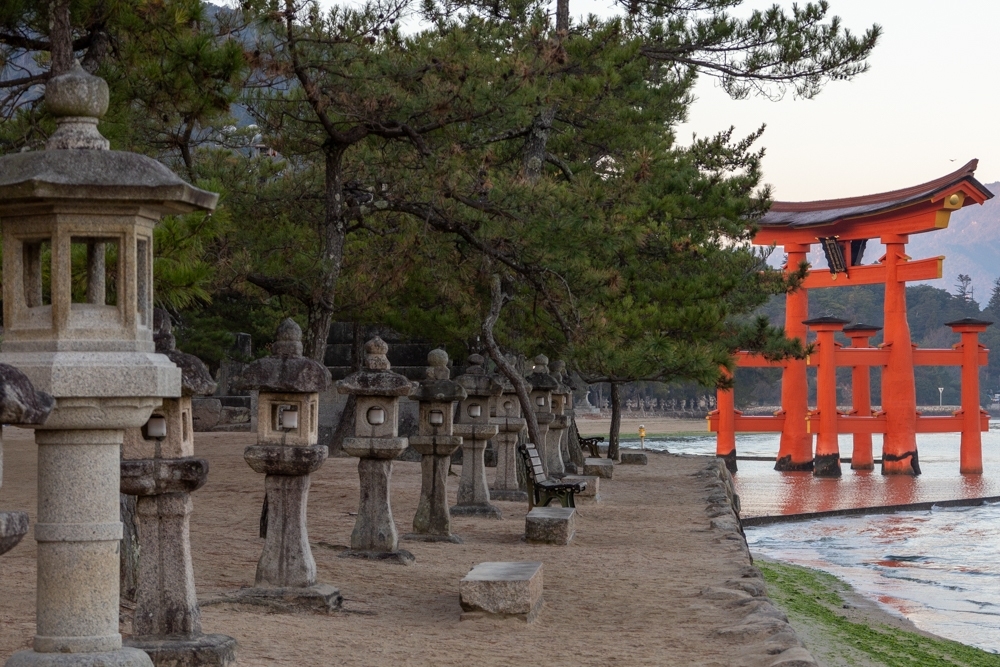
{"x": 576, "y": 454}
{"x": 616, "y": 420}
{"x": 345, "y": 426}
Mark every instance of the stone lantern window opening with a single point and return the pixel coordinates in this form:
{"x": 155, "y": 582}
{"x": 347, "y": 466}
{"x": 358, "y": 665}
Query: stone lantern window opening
{"x": 288, "y": 417}
{"x": 37, "y": 275}
{"x": 94, "y": 270}
{"x": 375, "y": 416}
{"x": 435, "y": 417}
{"x": 155, "y": 428}
{"x": 508, "y": 406}
{"x": 540, "y": 401}
{"x": 475, "y": 410}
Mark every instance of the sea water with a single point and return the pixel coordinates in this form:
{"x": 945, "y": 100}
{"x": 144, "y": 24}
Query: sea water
{"x": 940, "y": 568}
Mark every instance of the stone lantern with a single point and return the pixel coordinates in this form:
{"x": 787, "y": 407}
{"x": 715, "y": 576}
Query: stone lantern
{"x": 510, "y": 424}
{"x": 376, "y": 442}
{"x": 475, "y": 428}
{"x": 159, "y": 467}
{"x": 543, "y": 384}
{"x": 287, "y": 453}
{"x": 91, "y": 349}
{"x": 435, "y": 443}
{"x": 558, "y": 433}
{"x": 19, "y": 404}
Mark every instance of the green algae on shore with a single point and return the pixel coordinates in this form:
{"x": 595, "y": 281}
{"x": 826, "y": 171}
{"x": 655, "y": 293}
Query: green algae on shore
{"x": 815, "y": 604}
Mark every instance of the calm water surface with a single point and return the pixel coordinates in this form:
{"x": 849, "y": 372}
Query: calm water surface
{"x": 939, "y": 568}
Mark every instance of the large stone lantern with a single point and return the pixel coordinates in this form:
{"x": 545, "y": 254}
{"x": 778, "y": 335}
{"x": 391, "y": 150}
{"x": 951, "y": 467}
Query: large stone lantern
{"x": 510, "y": 424}
{"x": 287, "y": 453}
{"x": 475, "y": 428}
{"x": 19, "y": 404}
{"x": 542, "y": 386}
{"x": 64, "y": 212}
{"x": 376, "y": 443}
{"x": 435, "y": 443}
{"x": 158, "y": 466}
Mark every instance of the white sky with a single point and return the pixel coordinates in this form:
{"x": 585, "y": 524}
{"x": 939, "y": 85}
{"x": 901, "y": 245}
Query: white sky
{"x": 928, "y": 104}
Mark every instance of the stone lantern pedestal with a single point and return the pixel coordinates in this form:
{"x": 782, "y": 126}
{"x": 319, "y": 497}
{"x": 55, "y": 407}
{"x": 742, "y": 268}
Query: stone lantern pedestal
{"x": 286, "y": 453}
{"x": 376, "y": 442}
{"x": 543, "y": 385}
{"x": 91, "y": 349}
{"x": 475, "y": 429}
{"x": 510, "y": 423}
{"x": 19, "y": 404}
{"x": 435, "y": 443}
{"x": 159, "y": 467}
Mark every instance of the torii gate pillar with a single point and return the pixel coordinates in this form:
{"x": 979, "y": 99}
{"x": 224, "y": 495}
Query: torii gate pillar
{"x": 795, "y": 450}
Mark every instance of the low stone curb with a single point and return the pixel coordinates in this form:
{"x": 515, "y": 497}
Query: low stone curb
{"x": 769, "y": 639}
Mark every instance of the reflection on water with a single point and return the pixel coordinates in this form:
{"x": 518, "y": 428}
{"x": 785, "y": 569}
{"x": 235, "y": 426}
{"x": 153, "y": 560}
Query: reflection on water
{"x": 763, "y": 491}
{"x": 939, "y": 568}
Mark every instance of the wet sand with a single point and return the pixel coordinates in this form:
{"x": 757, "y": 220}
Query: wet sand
{"x": 629, "y": 590}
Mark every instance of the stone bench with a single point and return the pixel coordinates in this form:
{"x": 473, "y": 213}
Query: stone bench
{"x": 633, "y": 457}
{"x": 591, "y": 492}
{"x": 506, "y": 590}
{"x": 598, "y": 468}
{"x": 550, "y": 525}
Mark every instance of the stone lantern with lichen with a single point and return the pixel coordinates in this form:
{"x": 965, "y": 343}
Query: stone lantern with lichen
{"x": 543, "y": 384}
{"x": 510, "y": 424}
{"x": 158, "y": 466}
{"x": 376, "y": 443}
{"x": 436, "y": 443}
{"x": 476, "y": 428}
{"x": 287, "y": 453}
{"x": 78, "y": 210}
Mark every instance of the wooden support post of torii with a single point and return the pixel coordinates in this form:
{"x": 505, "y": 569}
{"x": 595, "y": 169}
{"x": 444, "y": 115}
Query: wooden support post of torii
{"x": 725, "y": 411}
{"x": 827, "y": 460}
{"x": 971, "y": 458}
{"x": 861, "y": 397}
{"x": 795, "y": 450}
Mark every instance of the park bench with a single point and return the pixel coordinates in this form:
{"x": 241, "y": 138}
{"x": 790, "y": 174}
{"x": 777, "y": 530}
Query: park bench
{"x": 591, "y": 444}
{"x": 542, "y": 490}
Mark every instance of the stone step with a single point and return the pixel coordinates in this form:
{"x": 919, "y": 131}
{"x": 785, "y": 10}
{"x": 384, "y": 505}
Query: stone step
{"x": 550, "y": 525}
{"x": 633, "y": 457}
{"x": 502, "y": 589}
{"x": 598, "y": 468}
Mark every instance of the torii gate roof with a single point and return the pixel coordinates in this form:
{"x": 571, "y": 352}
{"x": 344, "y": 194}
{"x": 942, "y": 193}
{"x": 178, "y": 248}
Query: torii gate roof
{"x": 798, "y": 215}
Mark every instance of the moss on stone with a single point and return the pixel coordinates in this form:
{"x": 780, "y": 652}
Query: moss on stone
{"x": 814, "y": 600}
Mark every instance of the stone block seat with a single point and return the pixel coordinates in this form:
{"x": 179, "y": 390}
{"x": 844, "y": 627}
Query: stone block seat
{"x": 543, "y": 490}
{"x": 504, "y": 590}
{"x": 550, "y": 525}
{"x": 633, "y": 457}
{"x": 598, "y": 467}
{"x": 591, "y": 492}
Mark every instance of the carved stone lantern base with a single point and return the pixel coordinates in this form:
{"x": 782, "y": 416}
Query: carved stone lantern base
{"x": 195, "y": 651}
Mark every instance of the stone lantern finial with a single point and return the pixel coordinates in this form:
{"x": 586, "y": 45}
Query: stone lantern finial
{"x": 287, "y": 339}
{"x": 541, "y": 364}
{"x": 375, "y": 355}
{"x": 438, "y": 365}
{"x": 77, "y": 99}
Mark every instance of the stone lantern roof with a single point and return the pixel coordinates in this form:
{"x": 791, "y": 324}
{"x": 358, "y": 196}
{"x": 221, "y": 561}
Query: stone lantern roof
{"x": 540, "y": 377}
{"x": 20, "y": 402}
{"x": 438, "y": 387}
{"x": 286, "y": 371}
{"x": 76, "y": 164}
{"x": 195, "y": 378}
{"x": 476, "y": 381}
{"x": 375, "y": 379}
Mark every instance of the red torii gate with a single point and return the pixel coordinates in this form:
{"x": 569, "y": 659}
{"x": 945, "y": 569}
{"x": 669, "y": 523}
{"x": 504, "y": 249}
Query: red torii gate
{"x": 843, "y": 227}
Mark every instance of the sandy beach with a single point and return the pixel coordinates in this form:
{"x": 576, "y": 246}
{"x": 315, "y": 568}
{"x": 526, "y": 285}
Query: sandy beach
{"x": 650, "y": 578}
{"x": 591, "y": 426}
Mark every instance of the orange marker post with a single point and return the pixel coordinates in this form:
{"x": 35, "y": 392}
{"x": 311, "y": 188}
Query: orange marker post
{"x": 972, "y": 439}
{"x": 827, "y": 462}
{"x": 861, "y": 396}
{"x": 795, "y": 447}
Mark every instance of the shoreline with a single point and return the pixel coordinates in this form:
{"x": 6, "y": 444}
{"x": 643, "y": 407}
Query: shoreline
{"x": 840, "y": 626}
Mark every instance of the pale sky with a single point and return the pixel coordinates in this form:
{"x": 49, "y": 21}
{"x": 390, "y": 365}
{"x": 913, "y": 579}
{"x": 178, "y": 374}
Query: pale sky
{"x": 928, "y": 104}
